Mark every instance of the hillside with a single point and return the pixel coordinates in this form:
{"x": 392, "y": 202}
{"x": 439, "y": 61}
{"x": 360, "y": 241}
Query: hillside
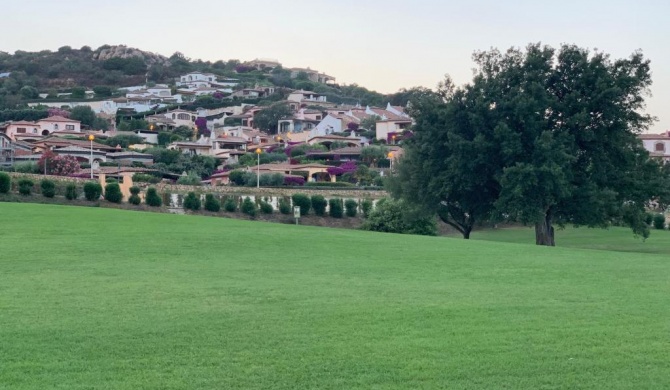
{"x": 25, "y": 75}
{"x": 117, "y": 299}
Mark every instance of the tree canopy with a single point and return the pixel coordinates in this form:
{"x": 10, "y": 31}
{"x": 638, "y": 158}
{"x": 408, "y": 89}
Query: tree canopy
{"x": 541, "y": 136}
{"x": 267, "y": 118}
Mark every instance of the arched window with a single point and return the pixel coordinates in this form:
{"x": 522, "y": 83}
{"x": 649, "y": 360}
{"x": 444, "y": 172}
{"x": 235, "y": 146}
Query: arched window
{"x": 45, "y": 132}
{"x": 56, "y": 126}
{"x": 659, "y": 147}
{"x": 183, "y": 116}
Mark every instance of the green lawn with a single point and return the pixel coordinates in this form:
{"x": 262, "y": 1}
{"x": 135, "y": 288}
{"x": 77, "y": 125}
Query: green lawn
{"x": 95, "y": 298}
{"x": 614, "y": 239}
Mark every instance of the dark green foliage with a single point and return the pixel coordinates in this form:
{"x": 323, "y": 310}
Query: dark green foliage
{"x": 266, "y": 208}
{"x": 145, "y": 178}
{"x": 659, "y": 221}
{"x": 649, "y": 218}
{"x": 284, "y": 206}
{"x": 84, "y": 114}
{"x": 230, "y": 204}
{"x": 25, "y": 186}
{"x": 71, "y": 191}
{"x": 267, "y": 118}
{"x": 335, "y": 207}
{"x": 152, "y": 198}
{"x": 351, "y": 207}
{"x": 302, "y": 201}
{"x": 328, "y": 184}
{"x": 92, "y": 191}
{"x": 237, "y": 177}
{"x": 391, "y": 216}
{"x": 366, "y": 207}
{"x": 212, "y": 204}
{"x": 541, "y": 136}
{"x": 48, "y": 188}
{"x": 319, "y": 204}
{"x": 192, "y": 201}
{"x": 5, "y": 183}
{"x": 192, "y": 179}
{"x": 251, "y": 159}
{"x": 113, "y": 193}
{"x": 123, "y": 140}
{"x": 249, "y": 207}
{"x": 134, "y": 196}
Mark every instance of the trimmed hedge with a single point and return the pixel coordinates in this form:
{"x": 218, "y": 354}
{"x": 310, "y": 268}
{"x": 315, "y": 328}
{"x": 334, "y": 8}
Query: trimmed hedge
{"x": 48, "y": 188}
{"x": 335, "y": 207}
{"x": 266, "y": 208}
{"x": 303, "y": 202}
{"x": 230, "y": 205}
{"x": 92, "y": 191}
{"x": 351, "y": 207}
{"x": 192, "y": 201}
{"x": 25, "y": 186}
{"x": 366, "y": 207}
{"x": 212, "y": 204}
{"x": 152, "y": 198}
{"x": 113, "y": 193}
{"x": 328, "y": 184}
{"x": 249, "y": 207}
{"x": 134, "y": 196}
{"x": 71, "y": 191}
{"x": 319, "y": 204}
{"x": 659, "y": 221}
{"x": 5, "y": 183}
{"x": 284, "y": 206}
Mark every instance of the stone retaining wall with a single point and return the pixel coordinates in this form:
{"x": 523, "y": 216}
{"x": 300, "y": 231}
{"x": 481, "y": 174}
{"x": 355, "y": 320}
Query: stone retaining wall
{"x": 233, "y": 190}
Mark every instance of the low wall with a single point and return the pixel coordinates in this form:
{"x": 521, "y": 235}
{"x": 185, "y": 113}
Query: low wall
{"x": 273, "y": 191}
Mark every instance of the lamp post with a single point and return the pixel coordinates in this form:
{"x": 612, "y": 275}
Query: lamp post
{"x": 390, "y": 156}
{"x": 393, "y": 139}
{"x": 91, "y": 138}
{"x": 258, "y": 168}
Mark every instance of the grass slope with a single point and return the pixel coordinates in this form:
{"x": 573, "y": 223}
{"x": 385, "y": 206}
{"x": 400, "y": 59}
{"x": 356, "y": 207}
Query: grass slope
{"x": 101, "y": 298}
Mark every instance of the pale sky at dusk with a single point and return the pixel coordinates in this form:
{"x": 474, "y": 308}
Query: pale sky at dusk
{"x": 382, "y": 45}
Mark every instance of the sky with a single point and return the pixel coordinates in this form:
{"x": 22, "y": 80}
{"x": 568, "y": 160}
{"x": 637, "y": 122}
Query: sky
{"x": 381, "y": 45}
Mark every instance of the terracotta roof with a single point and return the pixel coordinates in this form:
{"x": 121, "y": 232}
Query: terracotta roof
{"x": 57, "y": 118}
{"x": 77, "y": 149}
{"x": 27, "y": 123}
{"x": 231, "y": 139}
{"x": 130, "y": 154}
{"x": 661, "y": 136}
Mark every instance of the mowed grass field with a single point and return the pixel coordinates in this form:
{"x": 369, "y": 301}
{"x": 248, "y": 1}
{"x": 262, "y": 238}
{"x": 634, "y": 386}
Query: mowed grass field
{"x": 96, "y": 298}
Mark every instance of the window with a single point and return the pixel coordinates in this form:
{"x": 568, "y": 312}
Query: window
{"x": 21, "y": 130}
{"x": 183, "y": 116}
{"x": 56, "y": 126}
{"x": 659, "y": 147}
{"x": 318, "y": 117}
{"x": 69, "y": 127}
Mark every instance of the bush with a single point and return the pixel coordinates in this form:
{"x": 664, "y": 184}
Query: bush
{"x": 230, "y": 205}
{"x": 302, "y": 201}
{"x": 152, "y": 198}
{"x": 134, "y": 196}
{"x": 266, "y": 208}
{"x": 5, "y": 183}
{"x": 48, "y": 188}
{"x": 328, "y": 184}
{"x": 25, "y": 186}
{"x": 336, "y": 208}
{"x": 319, "y": 204}
{"x": 366, "y": 207}
{"x": 71, "y": 191}
{"x": 236, "y": 177}
{"x": 212, "y": 204}
{"x": 648, "y": 218}
{"x": 92, "y": 191}
{"x": 284, "y": 206}
{"x": 351, "y": 207}
{"x": 192, "y": 201}
{"x": 390, "y": 216}
{"x": 659, "y": 221}
{"x": 113, "y": 193}
{"x": 145, "y": 178}
{"x": 249, "y": 207}
{"x": 192, "y": 179}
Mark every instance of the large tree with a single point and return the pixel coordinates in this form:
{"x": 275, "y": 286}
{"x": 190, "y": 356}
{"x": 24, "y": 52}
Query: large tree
{"x": 552, "y": 134}
{"x": 267, "y": 118}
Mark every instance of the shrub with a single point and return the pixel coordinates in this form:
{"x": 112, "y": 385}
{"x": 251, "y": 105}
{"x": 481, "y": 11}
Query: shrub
{"x": 302, "y": 201}
{"x": 145, "y": 178}
{"x": 236, "y": 177}
{"x": 192, "y": 179}
{"x": 328, "y": 184}
{"x": 351, "y": 207}
{"x": 648, "y": 218}
{"x": 92, "y": 191}
{"x": 212, "y": 204}
{"x": 192, "y": 201}
{"x": 25, "y": 186}
{"x": 71, "y": 191}
{"x": 284, "y": 206}
{"x": 335, "y": 207}
{"x": 249, "y": 207}
{"x": 134, "y": 196}
{"x": 48, "y": 188}
{"x": 294, "y": 181}
{"x": 27, "y": 167}
{"x": 266, "y": 208}
{"x": 113, "y": 193}
{"x": 366, "y": 207}
{"x": 390, "y": 216}
{"x": 230, "y": 205}
{"x": 659, "y": 221}
{"x": 152, "y": 198}
{"x": 5, "y": 183}
{"x": 319, "y": 204}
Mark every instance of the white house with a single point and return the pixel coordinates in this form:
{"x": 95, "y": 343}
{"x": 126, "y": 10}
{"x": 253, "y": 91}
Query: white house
{"x": 58, "y": 123}
{"x": 658, "y": 145}
{"x": 196, "y": 80}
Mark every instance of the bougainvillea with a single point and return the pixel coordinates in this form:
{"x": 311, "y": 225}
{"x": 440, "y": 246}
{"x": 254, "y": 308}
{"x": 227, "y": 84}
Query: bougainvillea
{"x": 294, "y": 181}
{"x": 54, "y": 111}
{"x": 65, "y": 165}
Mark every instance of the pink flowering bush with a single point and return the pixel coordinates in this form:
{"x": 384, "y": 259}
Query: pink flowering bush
{"x": 54, "y": 111}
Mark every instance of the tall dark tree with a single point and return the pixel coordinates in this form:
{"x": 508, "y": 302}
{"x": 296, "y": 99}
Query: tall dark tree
{"x": 559, "y": 131}
{"x": 267, "y": 118}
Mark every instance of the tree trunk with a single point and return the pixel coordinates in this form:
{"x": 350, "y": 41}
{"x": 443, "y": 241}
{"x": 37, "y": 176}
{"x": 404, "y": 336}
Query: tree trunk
{"x": 544, "y": 231}
{"x": 466, "y": 233}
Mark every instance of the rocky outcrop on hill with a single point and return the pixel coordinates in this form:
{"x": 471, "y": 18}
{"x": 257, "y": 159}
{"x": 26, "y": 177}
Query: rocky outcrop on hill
{"x": 122, "y": 51}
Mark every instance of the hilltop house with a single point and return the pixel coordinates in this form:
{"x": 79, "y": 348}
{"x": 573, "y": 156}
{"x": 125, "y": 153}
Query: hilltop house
{"x": 312, "y": 75}
{"x": 658, "y": 145}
